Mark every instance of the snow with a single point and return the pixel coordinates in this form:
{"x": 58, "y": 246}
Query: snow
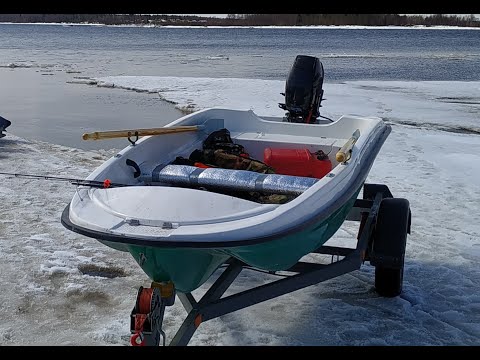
{"x": 437, "y": 103}
{"x": 431, "y": 158}
{"x": 351, "y": 27}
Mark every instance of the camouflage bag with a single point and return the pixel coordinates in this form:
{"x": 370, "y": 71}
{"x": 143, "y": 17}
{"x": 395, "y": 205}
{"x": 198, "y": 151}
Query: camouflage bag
{"x": 223, "y": 159}
{"x": 221, "y": 139}
{"x": 220, "y": 151}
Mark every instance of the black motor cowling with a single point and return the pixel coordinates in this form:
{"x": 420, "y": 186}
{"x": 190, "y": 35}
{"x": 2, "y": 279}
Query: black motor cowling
{"x": 303, "y": 90}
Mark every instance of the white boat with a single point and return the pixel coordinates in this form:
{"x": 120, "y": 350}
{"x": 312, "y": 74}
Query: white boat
{"x": 181, "y": 222}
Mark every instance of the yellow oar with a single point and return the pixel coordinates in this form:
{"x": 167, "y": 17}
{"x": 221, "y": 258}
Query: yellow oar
{"x": 345, "y": 152}
{"x": 97, "y": 135}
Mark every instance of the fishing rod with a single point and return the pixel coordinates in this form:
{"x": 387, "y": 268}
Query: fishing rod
{"x": 93, "y": 183}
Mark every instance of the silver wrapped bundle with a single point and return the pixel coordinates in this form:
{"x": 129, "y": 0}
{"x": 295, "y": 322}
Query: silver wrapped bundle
{"x": 239, "y": 180}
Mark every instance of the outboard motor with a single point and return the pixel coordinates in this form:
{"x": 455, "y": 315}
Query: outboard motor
{"x": 303, "y": 90}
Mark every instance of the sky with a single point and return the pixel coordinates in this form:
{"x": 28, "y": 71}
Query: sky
{"x": 57, "y": 293}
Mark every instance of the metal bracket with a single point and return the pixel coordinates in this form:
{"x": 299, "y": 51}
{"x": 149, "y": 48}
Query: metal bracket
{"x": 130, "y": 135}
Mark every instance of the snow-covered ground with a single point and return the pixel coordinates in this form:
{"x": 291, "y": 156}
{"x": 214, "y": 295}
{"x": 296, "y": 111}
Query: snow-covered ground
{"x": 432, "y": 158}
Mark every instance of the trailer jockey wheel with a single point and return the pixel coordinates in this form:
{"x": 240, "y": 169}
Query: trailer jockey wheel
{"x": 389, "y": 243}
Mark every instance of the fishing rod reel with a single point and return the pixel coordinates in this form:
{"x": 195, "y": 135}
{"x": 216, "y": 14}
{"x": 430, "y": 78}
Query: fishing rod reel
{"x": 303, "y": 90}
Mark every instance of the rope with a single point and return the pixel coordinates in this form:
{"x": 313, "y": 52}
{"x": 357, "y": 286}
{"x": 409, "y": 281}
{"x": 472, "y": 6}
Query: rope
{"x": 145, "y": 300}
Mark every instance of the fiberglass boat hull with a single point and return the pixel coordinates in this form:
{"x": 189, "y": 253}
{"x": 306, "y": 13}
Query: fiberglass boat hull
{"x": 188, "y": 268}
{"x": 189, "y": 262}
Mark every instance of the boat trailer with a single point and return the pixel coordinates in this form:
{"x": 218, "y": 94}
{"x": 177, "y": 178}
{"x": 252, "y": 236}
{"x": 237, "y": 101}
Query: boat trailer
{"x": 384, "y": 224}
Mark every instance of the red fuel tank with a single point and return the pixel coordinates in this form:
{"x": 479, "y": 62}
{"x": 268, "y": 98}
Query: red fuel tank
{"x": 298, "y": 162}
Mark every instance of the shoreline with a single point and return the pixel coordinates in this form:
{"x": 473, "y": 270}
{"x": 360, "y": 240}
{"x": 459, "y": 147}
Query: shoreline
{"x": 344, "y": 27}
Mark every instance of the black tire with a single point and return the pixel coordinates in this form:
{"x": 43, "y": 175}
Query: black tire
{"x": 389, "y": 243}
{"x": 388, "y": 282}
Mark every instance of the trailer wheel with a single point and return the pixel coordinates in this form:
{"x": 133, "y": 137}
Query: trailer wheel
{"x": 389, "y": 243}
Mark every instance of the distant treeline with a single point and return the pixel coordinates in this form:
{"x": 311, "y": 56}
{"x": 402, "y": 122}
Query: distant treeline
{"x": 250, "y": 19}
